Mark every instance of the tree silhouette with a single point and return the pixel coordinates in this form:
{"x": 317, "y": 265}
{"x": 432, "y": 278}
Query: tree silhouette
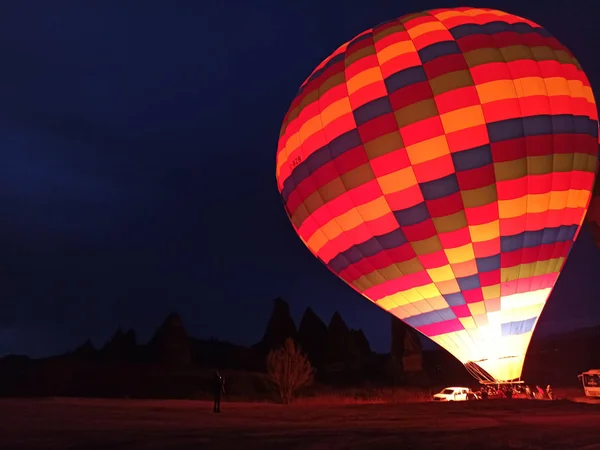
{"x": 289, "y": 369}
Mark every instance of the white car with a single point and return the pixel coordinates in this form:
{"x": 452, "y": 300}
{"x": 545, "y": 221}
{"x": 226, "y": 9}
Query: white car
{"x": 451, "y": 394}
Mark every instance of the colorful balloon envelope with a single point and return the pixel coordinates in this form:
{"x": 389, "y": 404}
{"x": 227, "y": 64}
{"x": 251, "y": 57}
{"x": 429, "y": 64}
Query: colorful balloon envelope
{"x": 441, "y": 165}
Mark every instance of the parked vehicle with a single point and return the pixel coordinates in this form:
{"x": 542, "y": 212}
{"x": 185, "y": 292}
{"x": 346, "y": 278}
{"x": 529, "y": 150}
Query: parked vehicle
{"x": 451, "y": 394}
{"x": 591, "y": 382}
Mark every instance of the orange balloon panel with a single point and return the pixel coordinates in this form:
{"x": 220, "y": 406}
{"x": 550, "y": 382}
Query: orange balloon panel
{"x": 441, "y": 165}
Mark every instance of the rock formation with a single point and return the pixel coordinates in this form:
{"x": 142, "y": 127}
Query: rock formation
{"x": 312, "y": 336}
{"x": 406, "y": 352}
{"x": 120, "y": 347}
{"x": 171, "y": 344}
{"x": 344, "y": 361}
{"x": 279, "y": 327}
{"x": 84, "y": 352}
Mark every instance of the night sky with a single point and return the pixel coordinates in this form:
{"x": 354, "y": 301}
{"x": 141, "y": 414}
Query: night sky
{"x": 138, "y": 166}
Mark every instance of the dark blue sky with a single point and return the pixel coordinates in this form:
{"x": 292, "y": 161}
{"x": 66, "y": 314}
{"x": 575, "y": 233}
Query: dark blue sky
{"x": 138, "y": 158}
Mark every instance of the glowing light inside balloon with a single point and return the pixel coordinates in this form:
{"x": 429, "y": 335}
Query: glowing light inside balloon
{"x": 441, "y": 165}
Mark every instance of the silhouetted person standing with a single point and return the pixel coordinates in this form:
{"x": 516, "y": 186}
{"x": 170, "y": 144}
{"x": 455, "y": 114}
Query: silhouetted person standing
{"x": 218, "y": 391}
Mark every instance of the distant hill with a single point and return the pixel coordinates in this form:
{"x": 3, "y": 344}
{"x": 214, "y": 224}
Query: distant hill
{"x": 174, "y": 364}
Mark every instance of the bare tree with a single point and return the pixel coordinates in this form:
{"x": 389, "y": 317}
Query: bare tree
{"x": 289, "y": 369}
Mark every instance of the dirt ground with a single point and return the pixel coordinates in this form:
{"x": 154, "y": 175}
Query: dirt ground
{"x": 167, "y": 424}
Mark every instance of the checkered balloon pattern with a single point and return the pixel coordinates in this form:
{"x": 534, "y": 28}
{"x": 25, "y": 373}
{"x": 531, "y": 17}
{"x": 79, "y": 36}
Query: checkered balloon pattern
{"x": 441, "y": 164}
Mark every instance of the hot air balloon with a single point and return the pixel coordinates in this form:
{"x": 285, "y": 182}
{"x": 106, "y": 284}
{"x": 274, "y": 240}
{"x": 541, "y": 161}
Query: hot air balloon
{"x": 441, "y": 165}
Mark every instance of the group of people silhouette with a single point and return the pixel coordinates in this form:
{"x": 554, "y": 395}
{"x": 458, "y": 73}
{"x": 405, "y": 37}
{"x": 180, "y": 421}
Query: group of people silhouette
{"x": 519, "y": 390}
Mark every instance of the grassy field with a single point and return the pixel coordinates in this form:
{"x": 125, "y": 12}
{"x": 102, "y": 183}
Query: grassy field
{"x": 169, "y": 424}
